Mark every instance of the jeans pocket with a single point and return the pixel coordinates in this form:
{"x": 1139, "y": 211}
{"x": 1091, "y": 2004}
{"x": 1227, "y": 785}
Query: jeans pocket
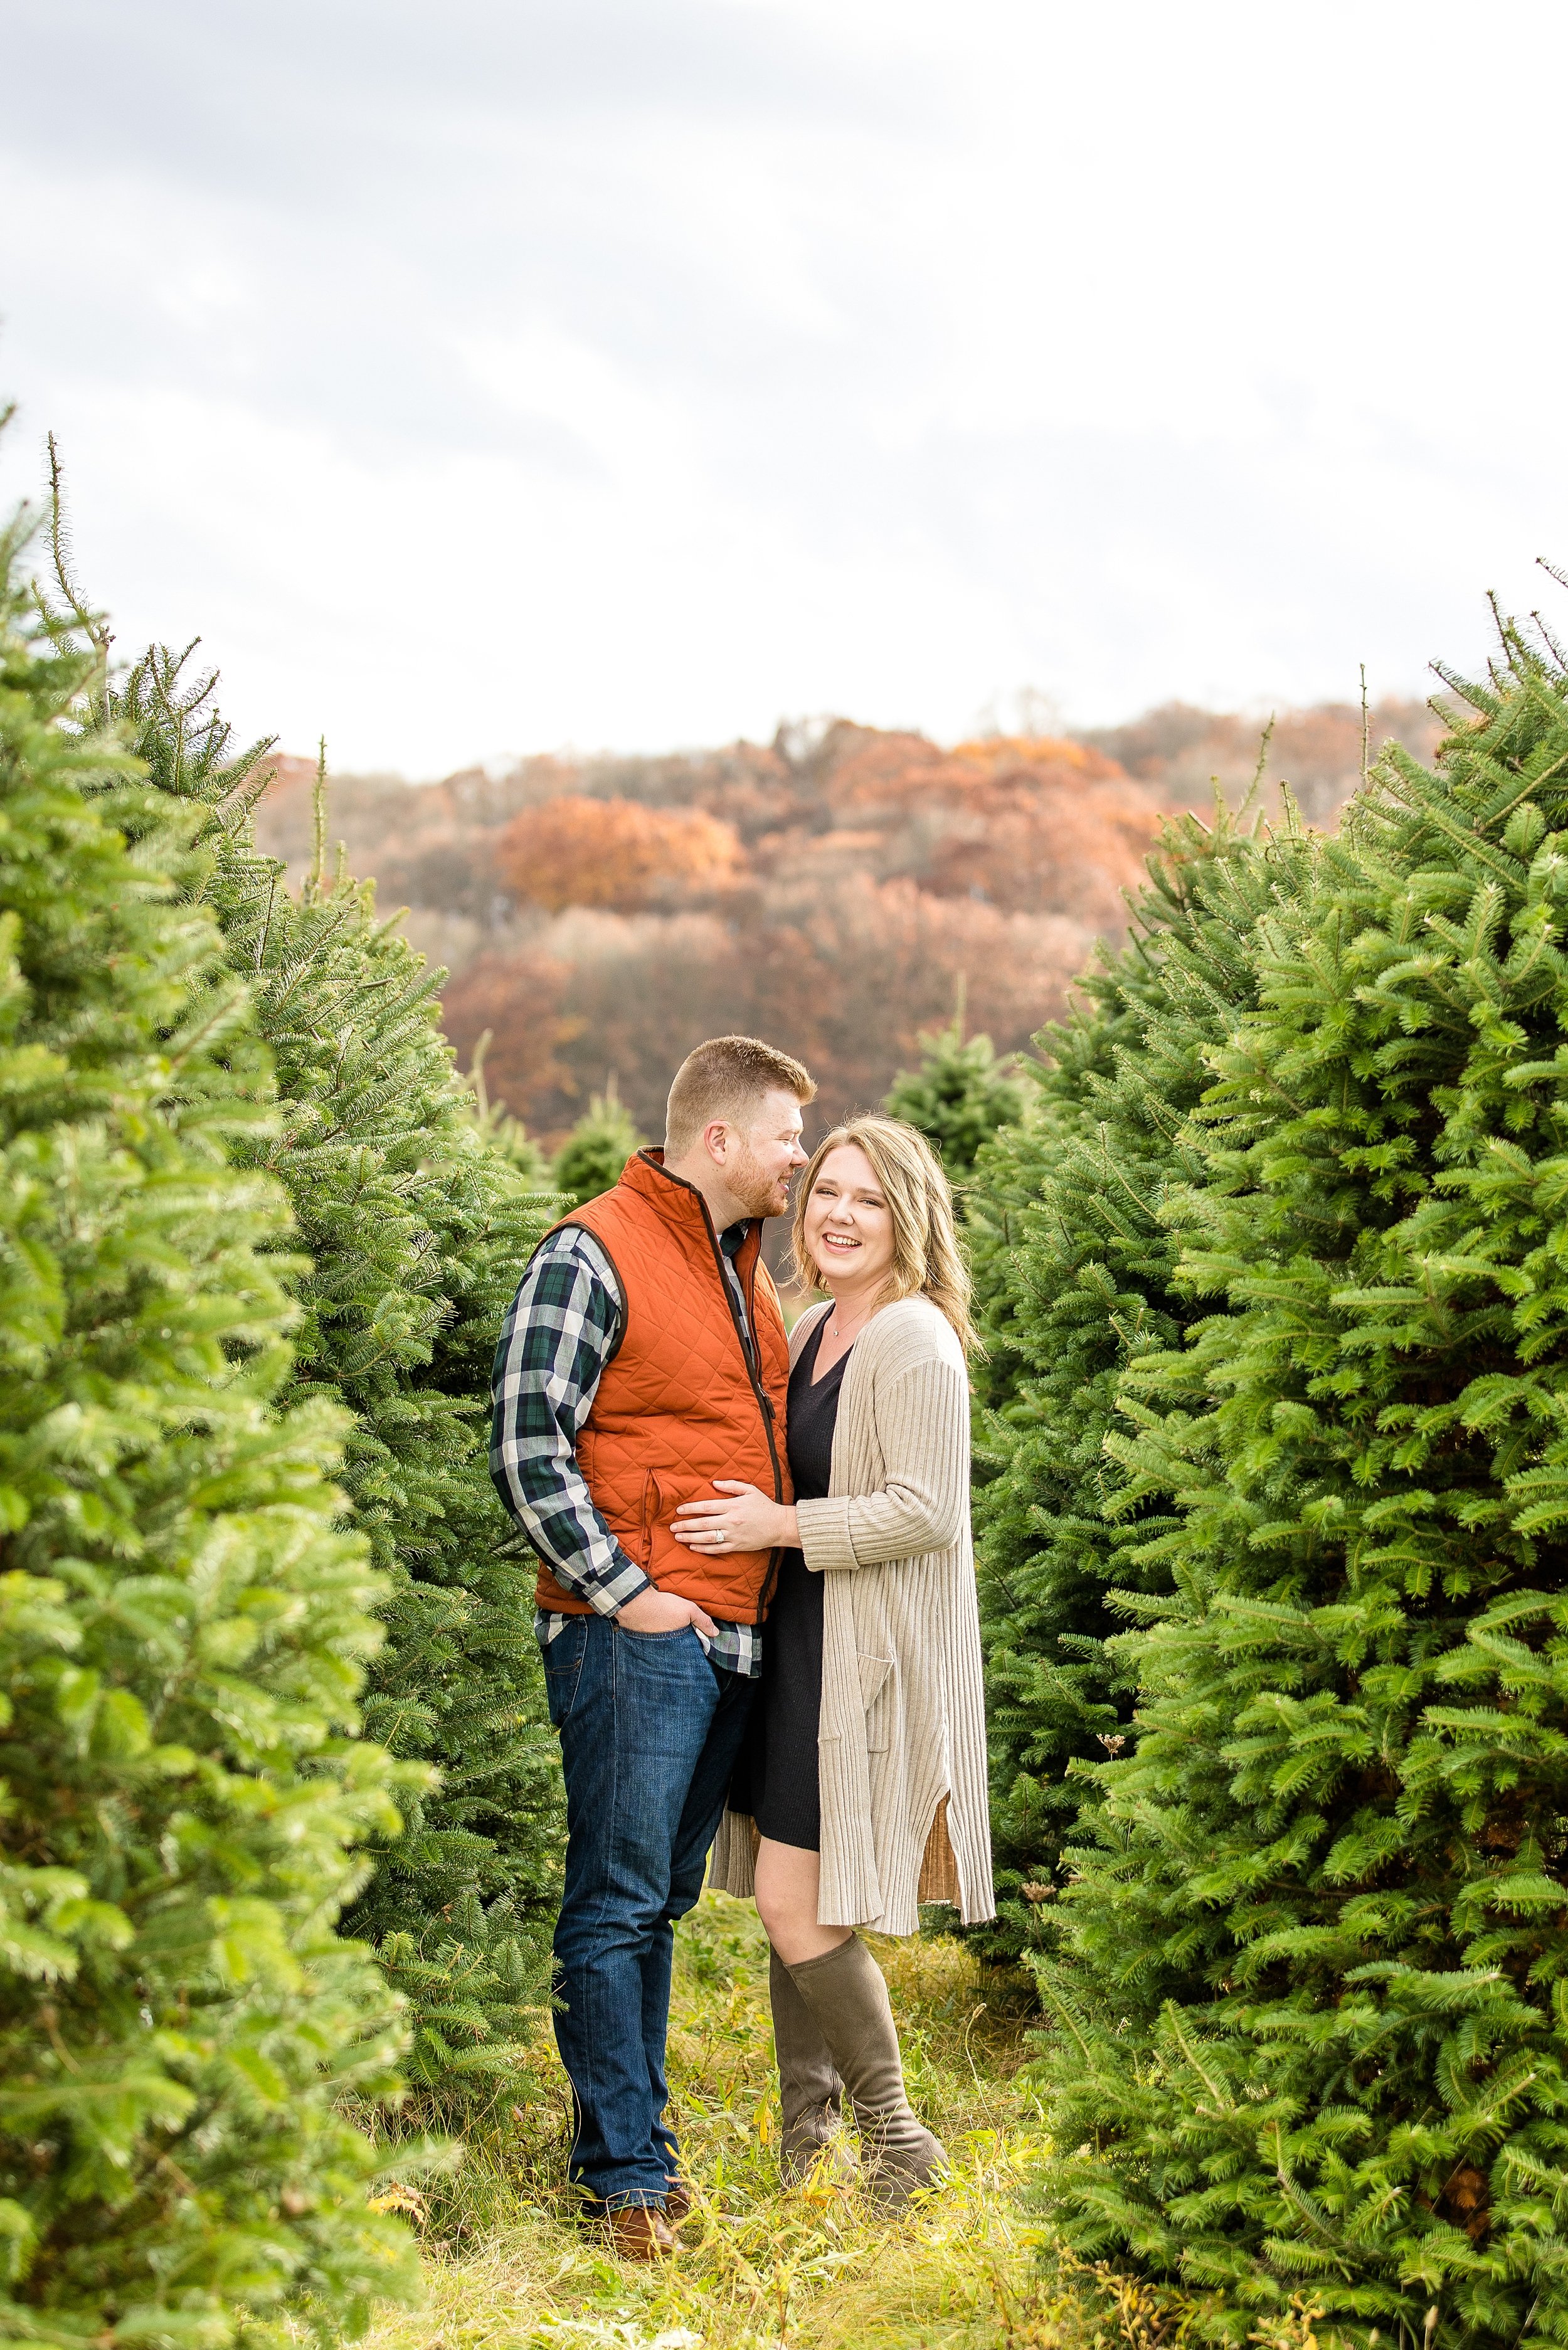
{"x": 665, "y": 1691}
{"x": 563, "y": 1661}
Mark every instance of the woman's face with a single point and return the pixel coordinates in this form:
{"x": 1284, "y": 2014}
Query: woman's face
{"x": 849, "y": 1224}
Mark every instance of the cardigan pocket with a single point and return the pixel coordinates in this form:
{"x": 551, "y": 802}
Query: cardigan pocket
{"x": 875, "y": 1676}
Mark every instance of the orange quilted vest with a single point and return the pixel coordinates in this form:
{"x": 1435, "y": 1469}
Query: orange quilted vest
{"x": 677, "y": 1404}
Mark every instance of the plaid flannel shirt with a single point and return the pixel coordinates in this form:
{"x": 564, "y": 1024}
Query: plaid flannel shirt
{"x": 555, "y": 1344}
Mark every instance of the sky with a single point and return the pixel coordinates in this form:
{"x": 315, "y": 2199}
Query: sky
{"x": 511, "y": 375}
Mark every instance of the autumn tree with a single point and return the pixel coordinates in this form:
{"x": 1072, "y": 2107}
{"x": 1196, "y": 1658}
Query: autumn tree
{"x": 509, "y": 1007}
{"x": 496, "y": 1127}
{"x": 575, "y": 850}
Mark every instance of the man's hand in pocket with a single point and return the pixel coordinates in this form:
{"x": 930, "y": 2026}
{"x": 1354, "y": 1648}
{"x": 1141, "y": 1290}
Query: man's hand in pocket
{"x": 663, "y": 1611}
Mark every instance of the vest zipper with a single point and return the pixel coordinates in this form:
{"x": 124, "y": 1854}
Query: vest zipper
{"x": 775, "y": 1557}
{"x": 765, "y": 1400}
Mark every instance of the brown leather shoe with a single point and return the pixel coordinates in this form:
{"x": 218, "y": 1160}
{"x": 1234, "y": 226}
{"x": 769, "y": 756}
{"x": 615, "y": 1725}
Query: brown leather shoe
{"x": 638, "y": 2231}
{"x": 677, "y": 2202}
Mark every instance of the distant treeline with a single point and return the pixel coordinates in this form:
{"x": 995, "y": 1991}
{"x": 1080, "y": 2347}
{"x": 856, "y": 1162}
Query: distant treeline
{"x": 598, "y": 916}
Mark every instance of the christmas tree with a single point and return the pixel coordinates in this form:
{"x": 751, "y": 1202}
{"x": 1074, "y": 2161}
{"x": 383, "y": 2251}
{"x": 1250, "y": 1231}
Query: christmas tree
{"x": 959, "y": 1095}
{"x": 591, "y": 1159}
{"x": 182, "y": 1619}
{"x": 1310, "y": 2017}
{"x": 416, "y": 1228}
{"x": 1075, "y": 1276}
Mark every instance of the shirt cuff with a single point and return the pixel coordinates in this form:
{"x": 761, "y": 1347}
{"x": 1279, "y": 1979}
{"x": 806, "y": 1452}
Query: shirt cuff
{"x": 605, "y": 1601}
{"x": 825, "y": 1538}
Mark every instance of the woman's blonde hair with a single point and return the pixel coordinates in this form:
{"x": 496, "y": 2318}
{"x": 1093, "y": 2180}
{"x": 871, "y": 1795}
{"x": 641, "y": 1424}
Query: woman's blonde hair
{"x": 928, "y": 1260}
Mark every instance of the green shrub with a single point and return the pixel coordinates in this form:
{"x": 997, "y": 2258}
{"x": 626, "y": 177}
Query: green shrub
{"x": 591, "y": 1159}
{"x": 182, "y": 1624}
{"x": 417, "y": 1229}
{"x": 958, "y": 1097}
{"x": 1310, "y": 2021}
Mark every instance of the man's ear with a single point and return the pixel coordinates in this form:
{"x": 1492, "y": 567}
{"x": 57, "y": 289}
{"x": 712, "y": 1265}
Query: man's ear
{"x": 716, "y": 1140}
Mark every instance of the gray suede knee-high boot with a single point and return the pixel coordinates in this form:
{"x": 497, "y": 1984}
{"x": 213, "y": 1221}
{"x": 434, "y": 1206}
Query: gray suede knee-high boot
{"x": 849, "y": 2002}
{"x": 811, "y": 2095}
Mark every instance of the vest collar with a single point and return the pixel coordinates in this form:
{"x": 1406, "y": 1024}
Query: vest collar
{"x": 681, "y": 1202}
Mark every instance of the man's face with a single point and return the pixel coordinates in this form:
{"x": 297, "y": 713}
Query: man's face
{"x": 765, "y": 1155}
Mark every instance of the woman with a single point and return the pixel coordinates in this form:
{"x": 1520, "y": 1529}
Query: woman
{"x": 868, "y": 1781}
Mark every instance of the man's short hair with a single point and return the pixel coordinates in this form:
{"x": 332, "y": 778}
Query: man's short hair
{"x": 727, "y": 1078}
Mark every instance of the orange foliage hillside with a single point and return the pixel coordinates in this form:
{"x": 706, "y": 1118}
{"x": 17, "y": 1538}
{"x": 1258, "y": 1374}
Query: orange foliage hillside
{"x": 1033, "y": 825}
{"x": 827, "y": 889}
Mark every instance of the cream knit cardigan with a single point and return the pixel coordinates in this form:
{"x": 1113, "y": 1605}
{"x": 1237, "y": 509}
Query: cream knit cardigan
{"x": 901, "y": 1746}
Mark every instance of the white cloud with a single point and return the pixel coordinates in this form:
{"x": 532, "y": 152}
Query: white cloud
{"x": 544, "y": 371}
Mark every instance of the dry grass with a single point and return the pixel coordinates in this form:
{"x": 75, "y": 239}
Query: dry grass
{"x": 815, "y": 2268}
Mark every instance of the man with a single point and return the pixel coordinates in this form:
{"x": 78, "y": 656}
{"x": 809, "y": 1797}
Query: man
{"x": 644, "y": 1356}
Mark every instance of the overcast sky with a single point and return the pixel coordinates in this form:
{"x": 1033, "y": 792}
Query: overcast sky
{"x": 496, "y": 375}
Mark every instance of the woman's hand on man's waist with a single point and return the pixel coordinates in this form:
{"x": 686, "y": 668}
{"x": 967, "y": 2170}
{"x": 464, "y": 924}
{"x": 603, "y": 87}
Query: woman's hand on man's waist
{"x": 747, "y": 1519}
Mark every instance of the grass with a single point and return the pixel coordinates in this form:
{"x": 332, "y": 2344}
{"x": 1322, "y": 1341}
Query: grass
{"x": 817, "y": 2268}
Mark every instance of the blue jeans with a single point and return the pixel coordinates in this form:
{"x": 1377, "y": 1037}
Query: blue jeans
{"x": 650, "y": 1734}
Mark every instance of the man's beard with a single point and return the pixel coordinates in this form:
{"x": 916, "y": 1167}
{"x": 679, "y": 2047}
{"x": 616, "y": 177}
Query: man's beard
{"x": 757, "y": 1192}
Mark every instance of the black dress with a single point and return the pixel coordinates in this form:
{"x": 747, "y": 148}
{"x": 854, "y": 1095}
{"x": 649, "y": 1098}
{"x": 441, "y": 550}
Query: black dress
{"x": 782, "y": 1760}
